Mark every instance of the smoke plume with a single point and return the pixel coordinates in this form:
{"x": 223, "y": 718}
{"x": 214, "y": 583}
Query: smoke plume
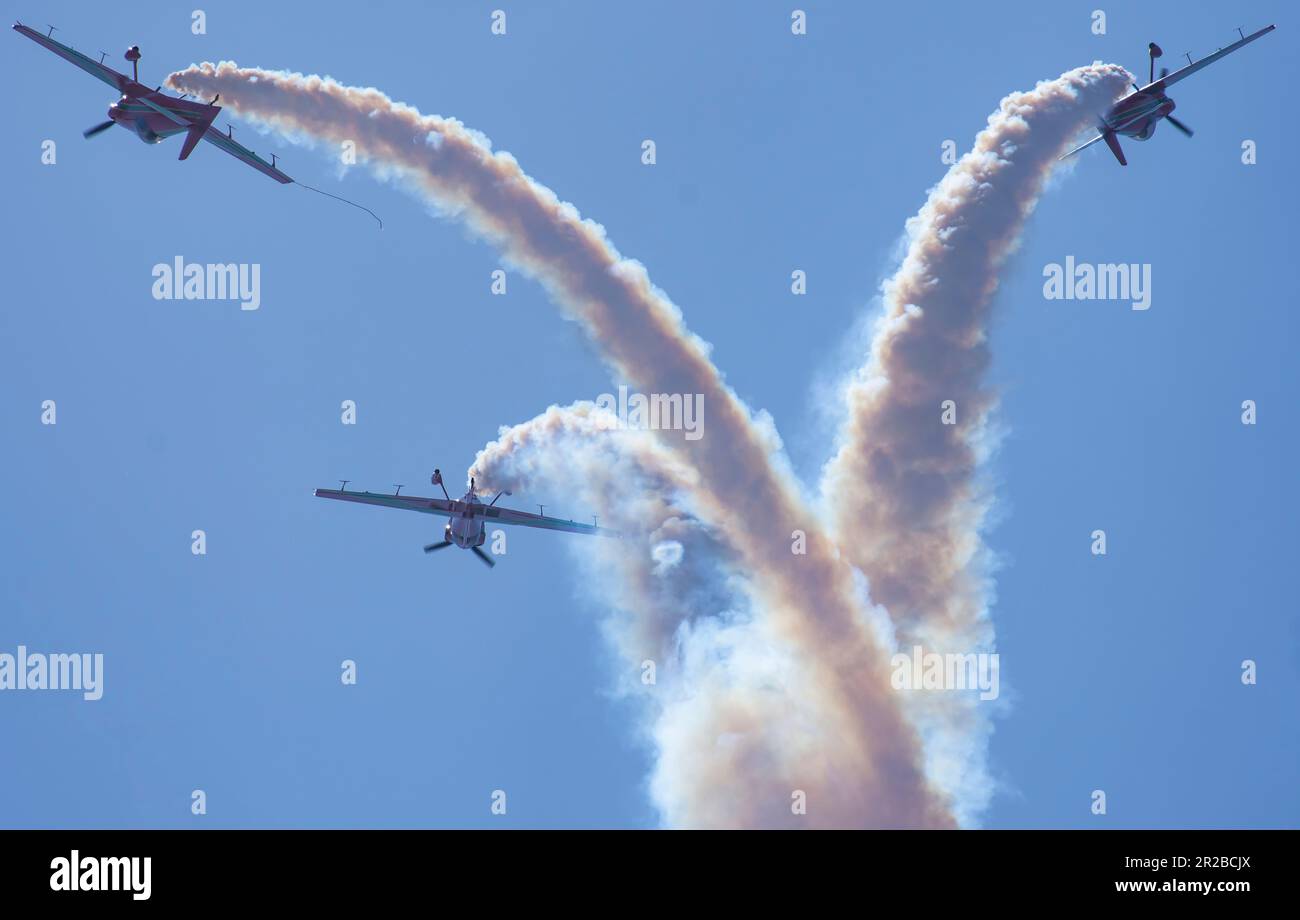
{"x": 906, "y": 503}
{"x": 772, "y": 683}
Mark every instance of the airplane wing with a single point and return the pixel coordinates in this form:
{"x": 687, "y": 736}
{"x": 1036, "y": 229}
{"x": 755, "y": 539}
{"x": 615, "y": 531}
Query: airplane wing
{"x": 496, "y": 515}
{"x": 1165, "y": 82}
{"x": 1081, "y": 146}
{"x": 239, "y": 151}
{"x": 490, "y": 514}
{"x": 407, "y": 502}
{"x": 94, "y": 68}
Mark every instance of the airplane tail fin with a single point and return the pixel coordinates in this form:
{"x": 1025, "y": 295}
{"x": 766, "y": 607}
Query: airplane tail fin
{"x": 1112, "y": 141}
{"x": 192, "y": 138}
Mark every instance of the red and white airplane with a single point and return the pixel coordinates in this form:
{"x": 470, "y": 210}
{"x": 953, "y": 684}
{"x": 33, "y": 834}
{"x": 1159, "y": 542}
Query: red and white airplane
{"x": 1137, "y": 114}
{"x": 153, "y": 116}
{"x": 467, "y": 519}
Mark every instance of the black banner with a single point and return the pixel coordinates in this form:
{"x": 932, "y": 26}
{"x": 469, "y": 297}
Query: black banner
{"x": 334, "y": 868}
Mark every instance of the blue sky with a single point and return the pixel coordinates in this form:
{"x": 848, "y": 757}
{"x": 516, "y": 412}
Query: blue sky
{"x": 774, "y": 153}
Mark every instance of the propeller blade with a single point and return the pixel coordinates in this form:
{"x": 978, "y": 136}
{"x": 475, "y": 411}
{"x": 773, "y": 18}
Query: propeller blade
{"x": 98, "y": 129}
{"x": 1179, "y": 125}
{"x": 433, "y": 547}
{"x": 488, "y": 560}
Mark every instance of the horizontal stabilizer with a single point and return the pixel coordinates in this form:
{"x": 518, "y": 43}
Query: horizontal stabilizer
{"x": 192, "y": 138}
{"x": 1112, "y": 141}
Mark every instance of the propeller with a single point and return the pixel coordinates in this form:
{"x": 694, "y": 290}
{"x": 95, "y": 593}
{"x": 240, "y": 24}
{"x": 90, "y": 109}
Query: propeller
{"x": 98, "y": 129}
{"x": 434, "y": 547}
{"x": 1179, "y": 125}
{"x": 487, "y": 560}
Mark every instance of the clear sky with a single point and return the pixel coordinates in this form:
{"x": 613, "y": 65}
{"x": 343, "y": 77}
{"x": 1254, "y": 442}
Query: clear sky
{"x": 774, "y": 153}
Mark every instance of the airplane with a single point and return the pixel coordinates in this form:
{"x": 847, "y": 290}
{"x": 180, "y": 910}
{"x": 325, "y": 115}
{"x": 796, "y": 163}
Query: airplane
{"x": 154, "y": 117}
{"x": 467, "y": 519}
{"x": 1137, "y": 114}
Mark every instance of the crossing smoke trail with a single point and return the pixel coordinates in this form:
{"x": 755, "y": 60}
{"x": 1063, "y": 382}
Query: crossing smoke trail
{"x": 833, "y": 729}
{"x": 784, "y": 690}
{"x": 725, "y": 673}
{"x": 907, "y": 504}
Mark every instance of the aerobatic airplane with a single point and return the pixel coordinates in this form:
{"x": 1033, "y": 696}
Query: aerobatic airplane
{"x": 148, "y": 113}
{"x": 1137, "y": 114}
{"x": 153, "y": 116}
{"x": 467, "y": 519}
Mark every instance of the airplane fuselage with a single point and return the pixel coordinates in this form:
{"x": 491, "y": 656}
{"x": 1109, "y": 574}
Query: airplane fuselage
{"x": 152, "y": 126}
{"x": 1136, "y": 115}
{"x": 466, "y": 528}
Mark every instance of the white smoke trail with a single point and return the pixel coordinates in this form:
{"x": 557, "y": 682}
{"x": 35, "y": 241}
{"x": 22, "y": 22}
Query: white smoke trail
{"x": 805, "y": 702}
{"x": 738, "y": 699}
{"x": 640, "y": 488}
{"x": 907, "y": 504}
